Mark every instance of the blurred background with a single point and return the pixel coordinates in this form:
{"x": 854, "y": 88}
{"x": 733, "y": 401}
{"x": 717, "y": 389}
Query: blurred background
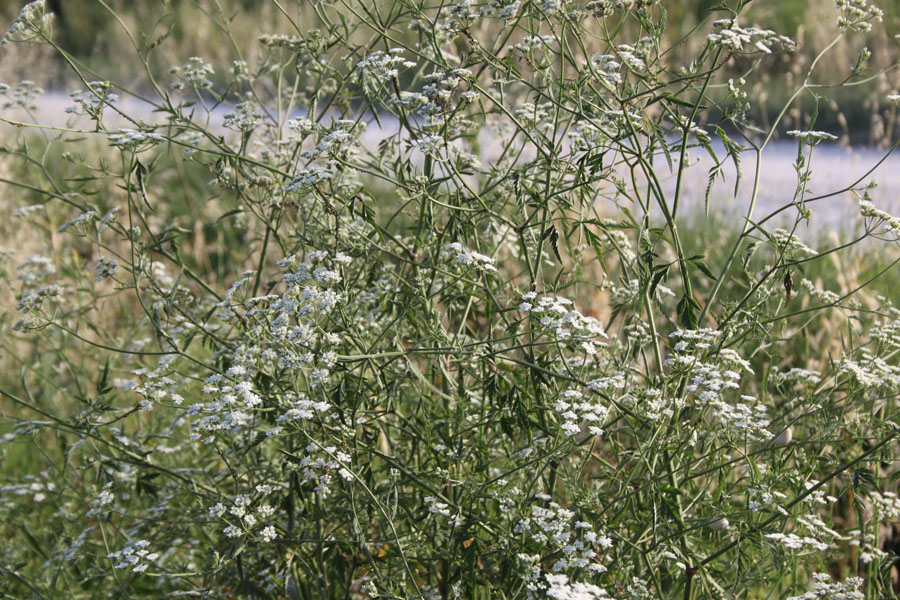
{"x": 88, "y": 30}
{"x": 95, "y": 33}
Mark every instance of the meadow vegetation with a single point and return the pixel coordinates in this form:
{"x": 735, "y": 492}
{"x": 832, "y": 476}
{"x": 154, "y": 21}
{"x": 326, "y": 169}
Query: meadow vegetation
{"x": 497, "y": 350}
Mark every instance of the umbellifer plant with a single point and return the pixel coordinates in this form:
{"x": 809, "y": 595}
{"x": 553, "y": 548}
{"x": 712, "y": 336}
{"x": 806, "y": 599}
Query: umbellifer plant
{"x": 397, "y": 305}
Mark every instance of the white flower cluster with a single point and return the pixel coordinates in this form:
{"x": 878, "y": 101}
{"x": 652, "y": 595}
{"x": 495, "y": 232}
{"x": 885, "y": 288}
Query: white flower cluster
{"x": 464, "y": 256}
{"x": 556, "y": 529}
{"x": 857, "y": 15}
{"x": 194, "y": 73}
{"x": 24, "y": 95}
{"x": 604, "y": 8}
{"x": 33, "y": 487}
{"x": 230, "y": 409}
{"x": 886, "y": 505}
{"x": 268, "y": 533}
{"x": 78, "y": 222}
{"x": 463, "y": 13}
{"x": 654, "y": 405}
{"x": 33, "y": 273}
{"x": 280, "y": 40}
{"x": 436, "y": 507}
{"x": 93, "y": 101}
{"x": 245, "y": 117}
{"x": 430, "y": 144}
{"x": 588, "y": 137}
{"x": 550, "y": 7}
{"x": 301, "y": 408}
{"x": 33, "y": 299}
{"x": 599, "y": 8}
{"x": 456, "y": 18}
{"x": 792, "y": 541}
{"x": 281, "y": 331}
{"x": 612, "y": 67}
{"x": 318, "y": 466}
{"x": 502, "y": 9}
{"x": 749, "y": 39}
{"x": 134, "y": 140}
{"x": 103, "y": 499}
{"x": 823, "y": 589}
{"x": 790, "y": 245}
{"x": 302, "y": 126}
{"x": 887, "y": 334}
{"x": 383, "y": 67}
{"x": 435, "y": 101}
{"x": 341, "y": 140}
{"x": 609, "y": 67}
{"x": 693, "y": 341}
{"x": 134, "y": 555}
{"x": 811, "y": 138}
{"x": 868, "y": 546}
{"x": 747, "y": 419}
{"x": 559, "y": 318}
{"x": 105, "y": 268}
{"x": 826, "y": 297}
{"x": 248, "y": 518}
{"x": 35, "y": 270}
{"x": 763, "y": 496}
{"x": 28, "y": 212}
{"x": 32, "y": 21}
{"x": 871, "y": 371}
{"x": 560, "y": 588}
{"x": 797, "y": 375}
{"x": 533, "y": 117}
{"x": 819, "y": 496}
{"x": 812, "y": 533}
{"x": 577, "y": 412}
{"x": 600, "y": 384}
{"x": 530, "y": 43}
{"x": 155, "y": 386}
{"x": 637, "y": 334}
{"x": 308, "y": 178}
{"x": 879, "y": 217}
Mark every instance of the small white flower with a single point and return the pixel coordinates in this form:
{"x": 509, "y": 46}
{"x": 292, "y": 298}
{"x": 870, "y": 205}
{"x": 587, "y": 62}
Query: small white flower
{"x": 811, "y": 138}
{"x": 268, "y": 533}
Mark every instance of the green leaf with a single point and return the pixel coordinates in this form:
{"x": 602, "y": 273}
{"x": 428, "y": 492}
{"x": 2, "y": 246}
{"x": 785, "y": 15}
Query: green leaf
{"x": 144, "y": 484}
{"x": 657, "y": 278}
{"x": 103, "y": 386}
{"x": 703, "y": 268}
{"x": 554, "y": 243}
{"x": 864, "y": 479}
{"x": 32, "y": 541}
{"x": 688, "y": 312}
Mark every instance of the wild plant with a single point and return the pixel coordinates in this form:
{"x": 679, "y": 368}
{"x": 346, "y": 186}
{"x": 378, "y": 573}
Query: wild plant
{"x": 401, "y": 305}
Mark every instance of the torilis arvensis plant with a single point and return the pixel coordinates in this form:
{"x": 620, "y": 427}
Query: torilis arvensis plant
{"x": 405, "y": 302}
